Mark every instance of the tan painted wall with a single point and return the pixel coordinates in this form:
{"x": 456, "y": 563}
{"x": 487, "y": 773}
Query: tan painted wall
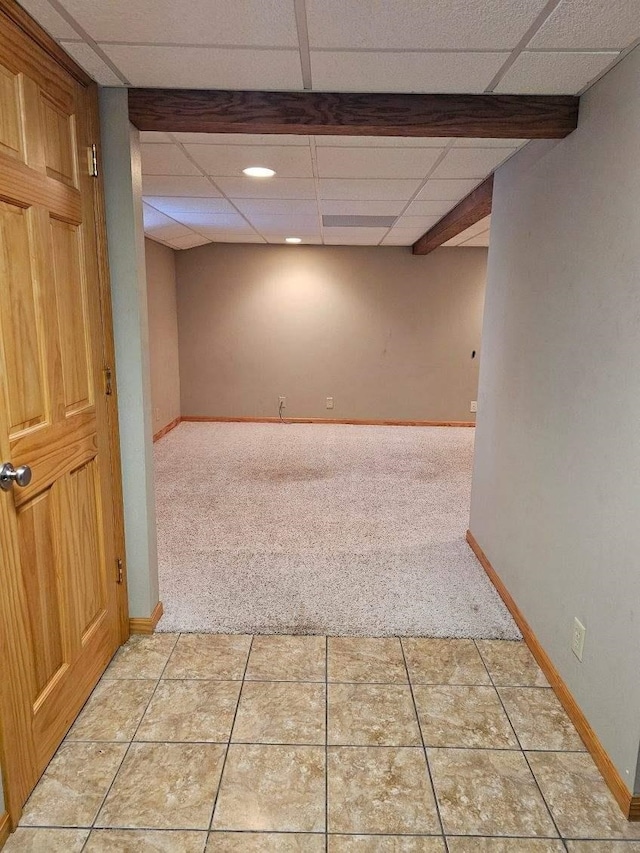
{"x": 385, "y": 333}
{"x": 163, "y": 333}
{"x": 556, "y": 491}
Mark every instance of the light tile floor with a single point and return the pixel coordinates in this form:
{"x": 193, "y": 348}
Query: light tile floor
{"x": 233, "y": 744}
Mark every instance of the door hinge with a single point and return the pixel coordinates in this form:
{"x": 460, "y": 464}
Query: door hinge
{"x": 93, "y": 161}
{"x": 108, "y": 381}
{"x": 119, "y": 571}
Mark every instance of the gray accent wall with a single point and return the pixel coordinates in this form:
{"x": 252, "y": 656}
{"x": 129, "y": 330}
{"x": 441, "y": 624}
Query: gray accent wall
{"x": 556, "y": 488}
{"x": 387, "y": 334}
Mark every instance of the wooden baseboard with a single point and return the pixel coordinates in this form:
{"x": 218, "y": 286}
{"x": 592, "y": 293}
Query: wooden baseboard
{"x": 5, "y": 828}
{"x": 351, "y": 421}
{"x": 165, "y": 429}
{"x": 629, "y": 804}
{"x": 146, "y": 626}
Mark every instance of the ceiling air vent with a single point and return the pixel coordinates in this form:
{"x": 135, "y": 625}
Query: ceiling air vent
{"x": 358, "y": 221}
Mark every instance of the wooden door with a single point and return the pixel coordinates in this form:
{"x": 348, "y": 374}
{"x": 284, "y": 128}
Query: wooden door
{"x": 61, "y": 603}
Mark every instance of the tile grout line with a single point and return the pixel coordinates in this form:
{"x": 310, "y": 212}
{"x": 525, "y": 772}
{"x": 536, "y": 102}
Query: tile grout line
{"x": 226, "y": 753}
{"x": 424, "y": 749}
{"x": 524, "y": 755}
{"x": 326, "y": 744}
{"x": 129, "y": 745}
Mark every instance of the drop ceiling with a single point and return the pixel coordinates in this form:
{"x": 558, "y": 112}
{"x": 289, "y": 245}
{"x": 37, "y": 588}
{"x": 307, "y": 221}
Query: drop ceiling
{"x": 194, "y": 188}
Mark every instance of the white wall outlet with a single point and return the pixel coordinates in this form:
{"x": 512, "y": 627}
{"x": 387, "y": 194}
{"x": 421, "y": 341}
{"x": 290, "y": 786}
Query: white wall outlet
{"x": 473, "y": 406}
{"x": 156, "y": 415}
{"x": 577, "y": 639}
{"x": 282, "y": 402}
{"x": 329, "y": 402}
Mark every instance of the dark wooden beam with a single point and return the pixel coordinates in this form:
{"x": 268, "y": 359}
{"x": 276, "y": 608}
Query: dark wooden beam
{"x": 466, "y": 213}
{"x": 354, "y": 114}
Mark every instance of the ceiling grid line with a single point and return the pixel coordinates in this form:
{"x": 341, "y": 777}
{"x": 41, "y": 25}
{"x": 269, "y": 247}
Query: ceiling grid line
{"x": 302, "y": 30}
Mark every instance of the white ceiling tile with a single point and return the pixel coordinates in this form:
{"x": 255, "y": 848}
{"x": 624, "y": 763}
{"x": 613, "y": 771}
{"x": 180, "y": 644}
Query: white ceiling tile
{"x": 489, "y": 143}
{"x": 202, "y": 222}
{"x": 172, "y": 205}
{"x": 94, "y": 65}
{"x": 152, "y": 217}
{"x": 381, "y": 141}
{"x": 224, "y": 22}
{"x": 189, "y": 241}
{"x": 401, "y": 237}
{"x": 479, "y": 240}
{"x": 172, "y": 185}
{"x": 248, "y": 237}
{"x": 50, "y": 19}
{"x": 454, "y": 241}
{"x": 433, "y": 25}
{"x": 275, "y": 188}
{"x": 240, "y": 229}
{"x": 353, "y": 236}
{"x": 391, "y": 207}
{"x": 207, "y": 68}
{"x": 429, "y": 208}
{"x": 242, "y": 138}
{"x": 394, "y": 163}
{"x": 584, "y": 25}
{"x": 353, "y": 71}
{"x": 335, "y": 188}
{"x": 553, "y": 73}
{"x": 166, "y": 232}
{"x": 286, "y": 225}
{"x": 287, "y": 161}
{"x": 422, "y": 223}
{"x": 470, "y": 162}
{"x": 155, "y": 136}
{"x": 436, "y": 190}
{"x": 276, "y": 206}
{"x": 158, "y": 159}
{"x": 478, "y": 228}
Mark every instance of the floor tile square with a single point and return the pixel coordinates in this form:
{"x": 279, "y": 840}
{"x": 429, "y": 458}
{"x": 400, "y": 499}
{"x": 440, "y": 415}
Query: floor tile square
{"x": 384, "y": 844}
{"x": 488, "y": 792}
{"x": 164, "y": 786}
{"x": 190, "y": 711}
{"x": 436, "y": 661}
{"x": 539, "y": 719}
{"x": 504, "y": 845}
{"x": 286, "y": 658}
{"x": 142, "y": 656}
{"x": 272, "y": 788}
{"x": 511, "y": 664}
{"x": 372, "y": 715}
{"x": 113, "y": 710}
{"x": 366, "y": 659}
{"x": 463, "y": 716}
{"x": 281, "y": 712}
{"x": 74, "y": 785}
{"x": 210, "y": 656}
{"x": 581, "y": 803}
{"x": 259, "y": 842}
{"x": 379, "y": 790}
{"x": 27, "y": 840}
{"x": 145, "y": 841}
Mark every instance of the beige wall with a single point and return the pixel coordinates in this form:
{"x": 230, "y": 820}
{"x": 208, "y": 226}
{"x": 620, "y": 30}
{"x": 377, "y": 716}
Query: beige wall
{"x": 163, "y": 333}
{"x": 385, "y": 333}
{"x": 556, "y": 491}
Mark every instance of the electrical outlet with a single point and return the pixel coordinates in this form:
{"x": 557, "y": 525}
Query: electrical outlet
{"x": 282, "y": 402}
{"x": 577, "y": 639}
{"x": 156, "y": 415}
{"x": 473, "y": 406}
{"x": 329, "y": 402}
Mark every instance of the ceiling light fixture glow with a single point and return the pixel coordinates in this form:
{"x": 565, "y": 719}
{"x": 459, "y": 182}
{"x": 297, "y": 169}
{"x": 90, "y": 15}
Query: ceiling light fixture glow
{"x": 293, "y": 240}
{"x": 258, "y": 172}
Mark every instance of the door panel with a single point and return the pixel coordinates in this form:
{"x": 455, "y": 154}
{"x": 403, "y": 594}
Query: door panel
{"x": 61, "y": 606}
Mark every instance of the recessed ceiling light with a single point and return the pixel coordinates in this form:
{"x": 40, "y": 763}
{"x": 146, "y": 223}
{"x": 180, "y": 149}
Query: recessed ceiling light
{"x": 258, "y": 172}
{"x": 293, "y": 240}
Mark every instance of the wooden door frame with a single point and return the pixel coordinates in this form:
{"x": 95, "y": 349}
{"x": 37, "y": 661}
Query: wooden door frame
{"x": 12, "y": 13}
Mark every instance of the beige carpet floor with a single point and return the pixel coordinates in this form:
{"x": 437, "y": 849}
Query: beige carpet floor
{"x": 318, "y": 529}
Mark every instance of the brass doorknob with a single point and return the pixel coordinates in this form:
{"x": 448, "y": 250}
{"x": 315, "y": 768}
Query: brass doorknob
{"x": 10, "y": 475}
